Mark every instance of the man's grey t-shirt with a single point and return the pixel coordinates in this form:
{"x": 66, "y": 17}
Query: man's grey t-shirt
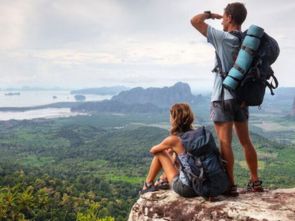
{"x": 226, "y": 45}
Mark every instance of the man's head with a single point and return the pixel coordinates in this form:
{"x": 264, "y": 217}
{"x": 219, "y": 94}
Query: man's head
{"x": 234, "y": 15}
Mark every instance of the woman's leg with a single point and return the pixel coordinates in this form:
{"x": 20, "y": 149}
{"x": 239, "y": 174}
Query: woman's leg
{"x": 163, "y": 177}
{"x": 162, "y": 160}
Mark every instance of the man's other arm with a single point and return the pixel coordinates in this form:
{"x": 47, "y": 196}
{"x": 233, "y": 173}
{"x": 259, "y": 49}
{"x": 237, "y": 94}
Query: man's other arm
{"x": 198, "y": 21}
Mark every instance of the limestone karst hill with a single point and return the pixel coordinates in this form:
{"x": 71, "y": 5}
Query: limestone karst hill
{"x": 161, "y": 97}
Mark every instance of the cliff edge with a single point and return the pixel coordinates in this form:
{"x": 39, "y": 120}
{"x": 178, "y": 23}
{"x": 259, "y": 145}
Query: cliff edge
{"x": 272, "y": 205}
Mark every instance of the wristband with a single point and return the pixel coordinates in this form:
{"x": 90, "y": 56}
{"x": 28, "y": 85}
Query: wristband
{"x": 208, "y": 13}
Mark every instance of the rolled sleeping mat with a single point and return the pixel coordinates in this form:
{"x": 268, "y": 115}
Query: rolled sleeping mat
{"x": 255, "y": 30}
{"x": 245, "y": 57}
{"x": 244, "y": 60}
{"x": 251, "y": 42}
{"x": 230, "y": 83}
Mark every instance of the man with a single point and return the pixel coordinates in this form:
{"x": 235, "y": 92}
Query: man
{"x": 225, "y": 111}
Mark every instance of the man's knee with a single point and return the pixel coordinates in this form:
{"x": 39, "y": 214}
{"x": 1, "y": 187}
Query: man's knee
{"x": 246, "y": 144}
{"x": 225, "y": 144}
{"x": 245, "y": 141}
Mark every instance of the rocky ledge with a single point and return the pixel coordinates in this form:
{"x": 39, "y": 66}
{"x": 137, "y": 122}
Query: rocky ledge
{"x": 272, "y": 205}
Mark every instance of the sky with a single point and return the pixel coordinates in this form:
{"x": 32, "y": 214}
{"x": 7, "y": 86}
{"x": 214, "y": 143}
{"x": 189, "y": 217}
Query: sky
{"x": 147, "y": 43}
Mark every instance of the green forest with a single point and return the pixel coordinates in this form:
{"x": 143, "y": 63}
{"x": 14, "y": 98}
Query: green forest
{"x": 92, "y": 167}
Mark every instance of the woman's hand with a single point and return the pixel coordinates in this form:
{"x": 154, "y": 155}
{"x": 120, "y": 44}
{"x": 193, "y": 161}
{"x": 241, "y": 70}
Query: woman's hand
{"x": 166, "y": 144}
{"x": 152, "y": 150}
{"x": 170, "y": 151}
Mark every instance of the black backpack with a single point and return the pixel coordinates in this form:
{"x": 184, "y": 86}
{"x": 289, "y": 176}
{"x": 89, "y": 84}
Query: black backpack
{"x": 251, "y": 88}
{"x": 207, "y": 175}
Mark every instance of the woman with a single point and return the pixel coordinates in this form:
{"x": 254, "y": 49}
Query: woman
{"x": 181, "y": 119}
{"x": 201, "y": 169}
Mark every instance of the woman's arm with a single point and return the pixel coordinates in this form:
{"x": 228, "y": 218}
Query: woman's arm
{"x": 169, "y": 142}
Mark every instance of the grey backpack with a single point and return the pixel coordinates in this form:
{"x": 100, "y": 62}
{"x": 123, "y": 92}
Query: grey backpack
{"x": 207, "y": 175}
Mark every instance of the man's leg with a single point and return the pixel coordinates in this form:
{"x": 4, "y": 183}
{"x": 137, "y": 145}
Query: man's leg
{"x": 242, "y": 131}
{"x": 224, "y": 133}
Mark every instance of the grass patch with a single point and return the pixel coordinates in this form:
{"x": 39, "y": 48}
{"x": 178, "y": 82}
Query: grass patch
{"x": 127, "y": 179}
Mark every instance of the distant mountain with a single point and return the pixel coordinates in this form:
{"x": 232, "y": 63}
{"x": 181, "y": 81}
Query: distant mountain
{"x": 136, "y": 100}
{"x": 286, "y": 90}
{"x": 161, "y": 97}
{"x": 293, "y": 109}
{"x": 140, "y": 100}
{"x": 80, "y": 97}
{"x": 282, "y": 93}
{"x": 101, "y": 90}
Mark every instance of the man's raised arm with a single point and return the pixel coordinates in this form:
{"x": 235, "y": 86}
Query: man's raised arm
{"x": 198, "y": 21}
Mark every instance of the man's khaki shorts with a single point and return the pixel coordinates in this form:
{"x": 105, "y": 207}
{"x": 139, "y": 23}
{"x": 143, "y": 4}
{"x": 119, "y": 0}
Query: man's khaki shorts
{"x": 228, "y": 111}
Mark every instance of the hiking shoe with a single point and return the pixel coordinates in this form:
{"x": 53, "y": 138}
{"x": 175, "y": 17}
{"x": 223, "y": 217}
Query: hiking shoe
{"x": 232, "y": 191}
{"x": 254, "y": 186}
{"x": 149, "y": 187}
{"x": 162, "y": 184}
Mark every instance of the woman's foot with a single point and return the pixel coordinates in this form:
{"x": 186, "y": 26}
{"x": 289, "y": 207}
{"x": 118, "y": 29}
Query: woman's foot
{"x": 148, "y": 187}
{"x": 162, "y": 184}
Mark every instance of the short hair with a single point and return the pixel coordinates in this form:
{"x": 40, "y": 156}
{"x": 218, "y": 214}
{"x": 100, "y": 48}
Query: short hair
{"x": 182, "y": 118}
{"x": 237, "y": 11}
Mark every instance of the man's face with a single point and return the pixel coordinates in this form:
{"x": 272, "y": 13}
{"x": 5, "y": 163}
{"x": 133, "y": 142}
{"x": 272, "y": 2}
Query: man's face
{"x": 226, "y": 19}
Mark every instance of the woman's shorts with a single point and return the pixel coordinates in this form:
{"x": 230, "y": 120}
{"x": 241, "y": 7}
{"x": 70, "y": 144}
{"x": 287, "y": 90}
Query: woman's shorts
{"x": 182, "y": 189}
{"x": 228, "y": 111}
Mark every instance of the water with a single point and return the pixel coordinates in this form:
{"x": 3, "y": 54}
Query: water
{"x": 35, "y": 98}
{"x": 46, "y": 113}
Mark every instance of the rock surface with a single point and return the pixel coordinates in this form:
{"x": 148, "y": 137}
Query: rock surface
{"x": 166, "y": 205}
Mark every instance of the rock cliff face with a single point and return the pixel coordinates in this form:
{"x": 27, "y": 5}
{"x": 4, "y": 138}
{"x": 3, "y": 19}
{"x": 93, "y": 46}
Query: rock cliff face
{"x": 166, "y": 205}
{"x": 161, "y": 97}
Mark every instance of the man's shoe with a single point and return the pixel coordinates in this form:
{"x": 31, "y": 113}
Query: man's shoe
{"x": 253, "y": 187}
{"x": 232, "y": 191}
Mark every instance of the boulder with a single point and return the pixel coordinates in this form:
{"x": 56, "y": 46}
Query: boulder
{"x": 167, "y": 205}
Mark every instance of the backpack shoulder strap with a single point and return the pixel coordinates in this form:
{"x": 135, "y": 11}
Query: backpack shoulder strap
{"x": 218, "y": 68}
{"x": 237, "y": 34}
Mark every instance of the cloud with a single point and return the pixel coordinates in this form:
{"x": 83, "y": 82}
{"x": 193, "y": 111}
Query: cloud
{"x": 13, "y": 22}
{"x": 132, "y": 42}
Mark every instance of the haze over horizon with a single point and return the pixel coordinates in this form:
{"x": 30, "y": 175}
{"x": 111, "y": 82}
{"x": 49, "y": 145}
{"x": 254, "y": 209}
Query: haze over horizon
{"x": 79, "y": 44}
